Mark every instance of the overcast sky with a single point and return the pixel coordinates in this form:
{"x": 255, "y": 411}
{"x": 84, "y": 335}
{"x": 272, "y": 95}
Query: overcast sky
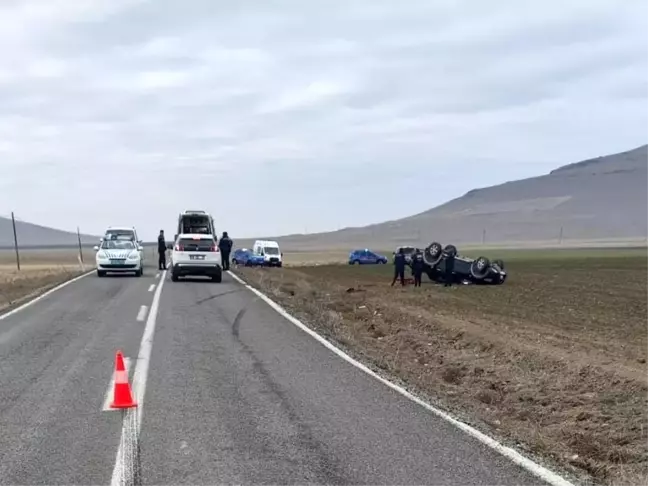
{"x": 303, "y": 115}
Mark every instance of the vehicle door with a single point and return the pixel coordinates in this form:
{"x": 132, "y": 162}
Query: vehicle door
{"x": 364, "y": 257}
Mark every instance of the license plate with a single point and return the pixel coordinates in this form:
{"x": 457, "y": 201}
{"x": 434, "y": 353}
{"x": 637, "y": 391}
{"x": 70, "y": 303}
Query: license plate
{"x": 117, "y": 262}
{"x": 196, "y": 257}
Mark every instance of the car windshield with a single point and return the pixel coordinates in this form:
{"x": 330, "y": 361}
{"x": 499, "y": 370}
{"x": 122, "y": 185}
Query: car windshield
{"x": 118, "y": 245}
{"x": 271, "y": 250}
{"x": 121, "y": 234}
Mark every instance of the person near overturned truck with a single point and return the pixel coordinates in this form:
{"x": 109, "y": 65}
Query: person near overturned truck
{"x": 162, "y": 248}
{"x": 449, "y": 268}
{"x": 399, "y": 267}
{"x": 417, "y": 267}
{"x": 225, "y": 246}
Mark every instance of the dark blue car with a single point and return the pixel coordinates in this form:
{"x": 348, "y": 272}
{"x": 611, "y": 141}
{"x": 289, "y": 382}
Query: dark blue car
{"x": 246, "y": 257}
{"x": 366, "y": 257}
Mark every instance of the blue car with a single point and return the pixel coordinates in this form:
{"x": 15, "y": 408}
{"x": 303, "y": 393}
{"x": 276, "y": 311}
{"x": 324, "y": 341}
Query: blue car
{"x": 366, "y": 257}
{"x": 246, "y": 257}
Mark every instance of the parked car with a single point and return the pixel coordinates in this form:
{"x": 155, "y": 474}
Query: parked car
{"x": 118, "y": 255}
{"x": 246, "y": 257}
{"x": 366, "y": 257}
{"x": 478, "y": 270}
{"x": 196, "y": 254}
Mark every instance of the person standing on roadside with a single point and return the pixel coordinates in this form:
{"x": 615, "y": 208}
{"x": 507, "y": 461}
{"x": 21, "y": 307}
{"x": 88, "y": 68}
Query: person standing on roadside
{"x": 162, "y": 248}
{"x": 417, "y": 267}
{"x": 399, "y": 267}
{"x": 225, "y": 246}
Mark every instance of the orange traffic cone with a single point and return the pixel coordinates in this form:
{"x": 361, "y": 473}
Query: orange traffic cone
{"x": 122, "y": 395}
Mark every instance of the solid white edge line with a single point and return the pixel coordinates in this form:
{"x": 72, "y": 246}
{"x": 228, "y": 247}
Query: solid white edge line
{"x": 531, "y": 466}
{"x": 151, "y": 288}
{"x": 109, "y": 393}
{"x": 141, "y": 315}
{"x": 44, "y": 294}
{"x": 139, "y": 388}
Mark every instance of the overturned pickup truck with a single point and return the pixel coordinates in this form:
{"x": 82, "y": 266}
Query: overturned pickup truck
{"x": 466, "y": 270}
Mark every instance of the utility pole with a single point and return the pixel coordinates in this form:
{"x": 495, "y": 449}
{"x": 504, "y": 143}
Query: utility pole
{"x": 13, "y": 223}
{"x": 484, "y": 236}
{"x": 560, "y": 238}
{"x": 80, "y": 250}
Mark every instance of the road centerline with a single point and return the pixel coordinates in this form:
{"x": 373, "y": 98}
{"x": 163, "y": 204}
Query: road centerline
{"x": 122, "y": 473}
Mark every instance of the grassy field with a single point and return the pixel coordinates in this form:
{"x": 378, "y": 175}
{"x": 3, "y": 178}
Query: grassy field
{"x": 40, "y": 270}
{"x": 553, "y": 361}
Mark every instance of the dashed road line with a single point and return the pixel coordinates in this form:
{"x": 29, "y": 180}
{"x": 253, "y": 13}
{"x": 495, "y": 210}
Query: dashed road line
{"x": 141, "y": 315}
{"x": 152, "y": 288}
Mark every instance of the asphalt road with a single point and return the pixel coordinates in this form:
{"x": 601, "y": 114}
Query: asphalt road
{"x": 234, "y": 394}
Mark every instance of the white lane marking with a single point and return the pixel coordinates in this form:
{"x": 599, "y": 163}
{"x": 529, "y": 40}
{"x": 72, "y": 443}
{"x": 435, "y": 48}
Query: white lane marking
{"x": 109, "y": 393}
{"x": 157, "y": 275}
{"x": 43, "y": 295}
{"x": 522, "y": 461}
{"x": 121, "y": 474}
{"x": 152, "y": 288}
{"x": 141, "y": 315}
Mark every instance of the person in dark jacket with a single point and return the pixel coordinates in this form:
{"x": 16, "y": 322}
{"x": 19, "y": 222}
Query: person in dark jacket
{"x": 162, "y": 248}
{"x": 417, "y": 267}
{"x": 225, "y": 246}
{"x": 399, "y": 267}
{"x": 449, "y": 269}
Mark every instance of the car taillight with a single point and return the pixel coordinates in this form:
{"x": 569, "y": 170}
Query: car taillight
{"x": 179, "y": 248}
{"x": 214, "y": 248}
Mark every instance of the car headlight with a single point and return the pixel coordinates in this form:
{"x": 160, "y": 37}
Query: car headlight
{"x": 134, "y": 256}
{"x": 101, "y": 256}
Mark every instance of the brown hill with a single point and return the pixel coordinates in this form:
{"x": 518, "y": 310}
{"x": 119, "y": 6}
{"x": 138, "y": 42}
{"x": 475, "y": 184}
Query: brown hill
{"x": 603, "y": 199}
{"x": 37, "y": 236}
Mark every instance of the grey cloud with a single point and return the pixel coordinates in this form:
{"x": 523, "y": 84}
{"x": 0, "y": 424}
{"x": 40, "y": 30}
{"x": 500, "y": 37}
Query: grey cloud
{"x": 294, "y": 103}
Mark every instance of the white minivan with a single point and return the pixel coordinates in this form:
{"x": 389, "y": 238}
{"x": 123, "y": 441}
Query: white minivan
{"x": 270, "y": 251}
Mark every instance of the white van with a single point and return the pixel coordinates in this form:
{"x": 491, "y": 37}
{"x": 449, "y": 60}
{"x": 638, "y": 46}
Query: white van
{"x": 270, "y": 251}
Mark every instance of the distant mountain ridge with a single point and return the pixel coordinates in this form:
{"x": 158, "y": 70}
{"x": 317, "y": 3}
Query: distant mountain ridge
{"x": 37, "y": 236}
{"x": 605, "y": 198}
{"x": 599, "y": 199}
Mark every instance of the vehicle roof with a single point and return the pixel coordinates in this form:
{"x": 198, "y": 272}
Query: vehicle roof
{"x": 121, "y": 228}
{"x": 194, "y": 211}
{"x": 266, "y": 243}
{"x": 196, "y": 236}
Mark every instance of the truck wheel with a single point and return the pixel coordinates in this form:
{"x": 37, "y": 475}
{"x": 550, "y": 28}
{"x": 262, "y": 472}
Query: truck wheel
{"x": 450, "y": 250}
{"x": 480, "y": 268}
{"x": 218, "y": 277}
{"x": 433, "y": 253}
{"x": 101, "y": 273}
{"x": 174, "y": 276}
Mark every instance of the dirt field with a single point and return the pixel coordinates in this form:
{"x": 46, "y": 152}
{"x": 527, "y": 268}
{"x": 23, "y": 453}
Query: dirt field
{"x": 40, "y": 270}
{"x": 553, "y": 361}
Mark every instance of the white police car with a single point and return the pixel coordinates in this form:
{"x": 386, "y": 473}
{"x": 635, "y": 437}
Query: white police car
{"x": 119, "y": 255}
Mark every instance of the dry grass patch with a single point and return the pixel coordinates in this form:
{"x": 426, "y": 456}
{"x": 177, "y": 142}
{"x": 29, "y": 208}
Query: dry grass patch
{"x": 553, "y": 361}
{"x": 17, "y": 286}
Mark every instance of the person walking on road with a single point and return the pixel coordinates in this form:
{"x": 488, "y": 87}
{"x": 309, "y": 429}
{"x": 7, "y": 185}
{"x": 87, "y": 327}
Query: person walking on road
{"x": 225, "y": 246}
{"x": 399, "y": 267}
{"x": 162, "y": 248}
{"x": 449, "y": 268}
{"x": 417, "y": 267}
